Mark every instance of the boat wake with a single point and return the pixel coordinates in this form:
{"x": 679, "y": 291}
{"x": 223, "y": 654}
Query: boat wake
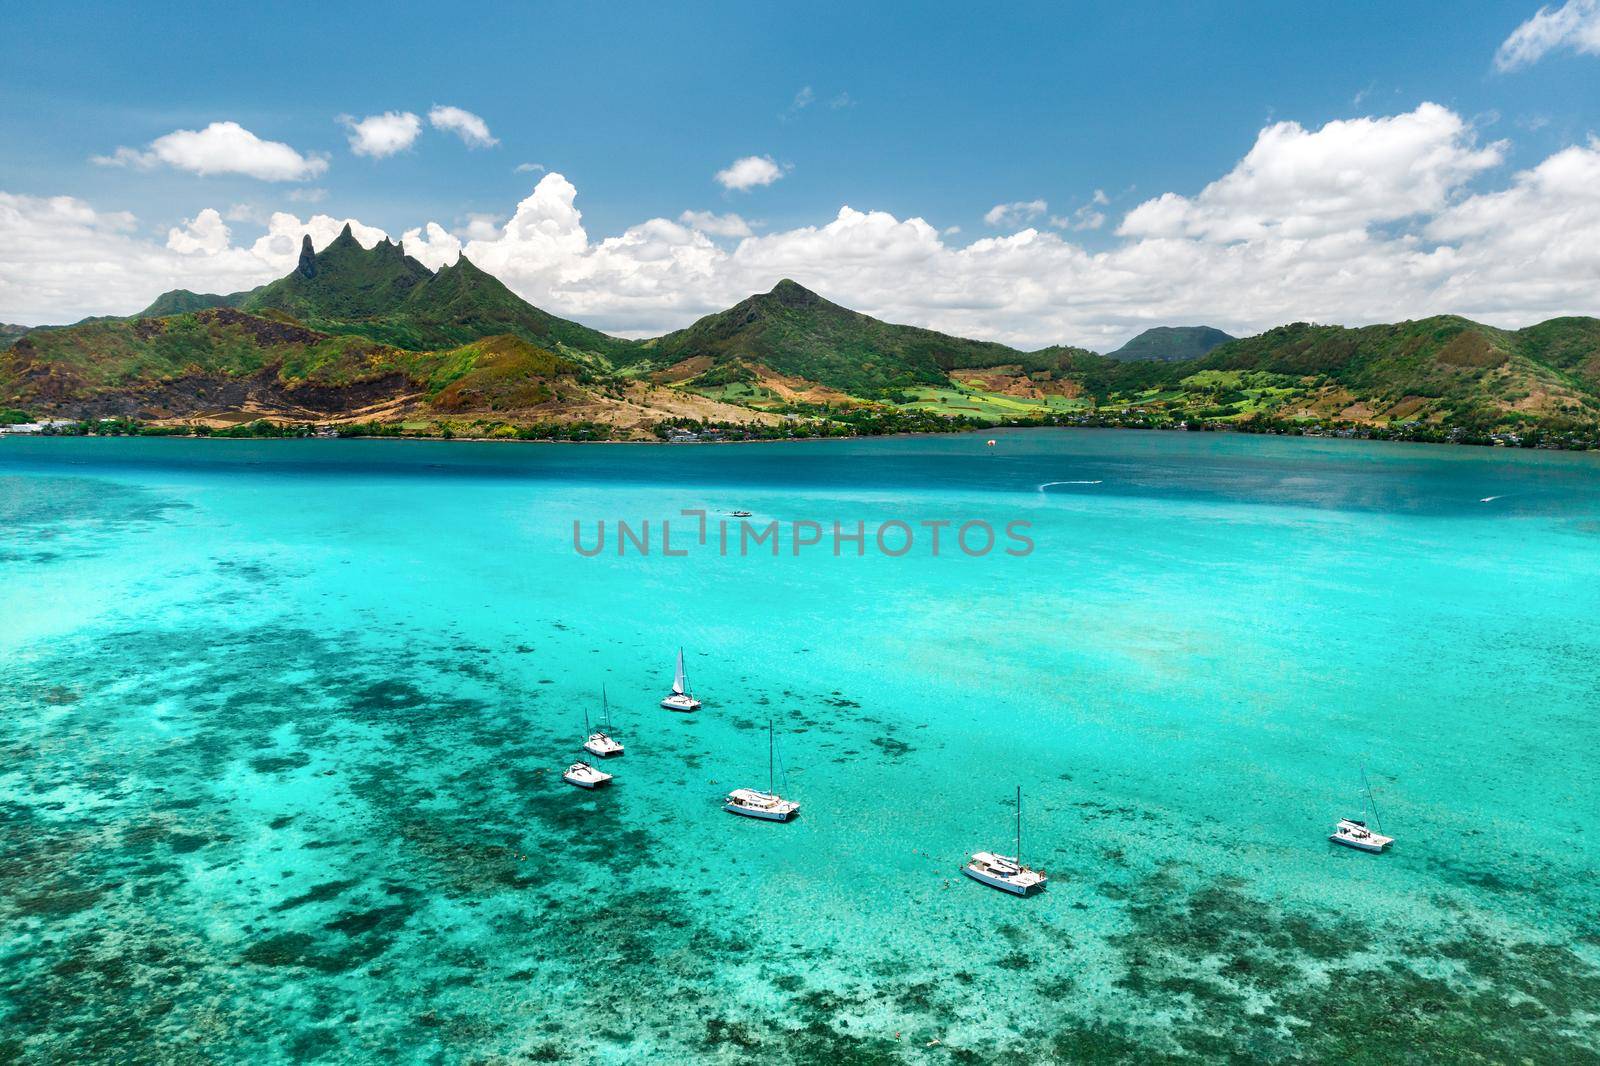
{"x": 1491, "y": 499}
{"x": 1047, "y": 484}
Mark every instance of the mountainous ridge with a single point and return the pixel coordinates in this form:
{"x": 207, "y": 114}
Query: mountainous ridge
{"x": 344, "y": 281}
{"x": 391, "y": 297}
{"x": 353, "y": 331}
{"x": 182, "y": 301}
{"x": 796, "y": 332}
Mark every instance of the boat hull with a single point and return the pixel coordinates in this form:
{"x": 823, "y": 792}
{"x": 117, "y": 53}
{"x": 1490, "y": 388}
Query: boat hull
{"x": 601, "y": 753}
{"x": 1357, "y": 845}
{"x": 1002, "y": 884}
{"x": 765, "y": 816}
{"x": 682, "y": 706}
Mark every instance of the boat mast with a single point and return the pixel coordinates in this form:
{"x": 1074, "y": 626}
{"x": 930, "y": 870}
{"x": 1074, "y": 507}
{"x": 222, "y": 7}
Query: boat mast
{"x": 772, "y": 743}
{"x": 605, "y": 707}
{"x": 1019, "y": 825}
{"x": 680, "y": 683}
{"x": 1377, "y": 819}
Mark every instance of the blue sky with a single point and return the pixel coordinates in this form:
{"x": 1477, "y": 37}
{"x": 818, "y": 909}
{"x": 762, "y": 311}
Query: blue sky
{"x": 934, "y": 111}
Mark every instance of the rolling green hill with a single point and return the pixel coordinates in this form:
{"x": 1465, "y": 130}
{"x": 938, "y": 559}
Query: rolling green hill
{"x": 182, "y": 301}
{"x": 1446, "y": 366}
{"x": 1169, "y": 344}
{"x": 10, "y": 333}
{"x": 793, "y": 331}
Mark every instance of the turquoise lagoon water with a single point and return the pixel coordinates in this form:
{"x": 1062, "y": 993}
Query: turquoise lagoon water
{"x": 282, "y": 726}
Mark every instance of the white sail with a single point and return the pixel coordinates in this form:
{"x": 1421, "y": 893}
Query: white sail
{"x": 680, "y": 684}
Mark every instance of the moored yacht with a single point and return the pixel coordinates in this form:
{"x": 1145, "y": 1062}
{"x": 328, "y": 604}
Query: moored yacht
{"x": 767, "y": 805}
{"x": 682, "y": 697}
{"x": 585, "y": 776}
{"x": 601, "y": 744}
{"x": 1354, "y": 833}
{"x": 1005, "y": 872}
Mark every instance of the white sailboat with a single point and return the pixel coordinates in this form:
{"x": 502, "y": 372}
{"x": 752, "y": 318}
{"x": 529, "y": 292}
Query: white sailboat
{"x": 767, "y": 805}
{"x": 585, "y": 776}
{"x": 600, "y": 744}
{"x": 682, "y": 697}
{"x": 1353, "y": 832}
{"x": 1005, "y": 872}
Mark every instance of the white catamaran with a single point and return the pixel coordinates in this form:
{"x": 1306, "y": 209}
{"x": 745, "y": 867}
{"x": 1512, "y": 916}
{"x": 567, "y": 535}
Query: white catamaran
{"x": 1353, "y": 832}
{"x": 1006, "y": 872}
{"x": 766, "y": 805}
{"x": 600, "y": 744}
{"x": 585, "y": 776}
{"x": 682, "y": 697}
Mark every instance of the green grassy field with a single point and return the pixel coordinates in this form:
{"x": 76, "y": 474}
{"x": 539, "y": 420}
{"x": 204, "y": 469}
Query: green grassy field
{"x": 993, "y": 406}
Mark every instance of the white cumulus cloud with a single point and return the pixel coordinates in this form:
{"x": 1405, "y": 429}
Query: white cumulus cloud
{"x": 379, "y": 136}
{"x": 1305, "y": 183}
{"x": 728, "y": 225}
{"x": 1086, "y": 217}
{"x": 749, "y": 172}
{"x": 204, "y": 234}
{"x": 432, "y": 245}
{"x": 65, "y": 259}
{"x": 1574, "y": 25}
{"x": 1405, "y": 221}
{"x": 221, "y": 148}
{"x": 472, "y": 130}
{"x": 1015, "y": 214}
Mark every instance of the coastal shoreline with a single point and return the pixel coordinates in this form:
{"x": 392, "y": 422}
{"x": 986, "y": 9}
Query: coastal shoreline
{"x": 459, "y": 439}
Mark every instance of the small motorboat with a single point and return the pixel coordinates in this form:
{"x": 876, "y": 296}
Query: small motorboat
{"x": 740, "y": 514}
{"x": 585, "y": 776}
{"x": 768, "y": 805}
{"x": 1006, "y": 872}
{"x": 600, "y": 743}
{"x": 682, "y": 697}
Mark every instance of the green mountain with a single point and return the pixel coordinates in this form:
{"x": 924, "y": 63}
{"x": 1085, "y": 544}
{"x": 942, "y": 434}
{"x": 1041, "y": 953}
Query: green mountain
{"x": 182, "y": 301}
{"x": 1172, "y": 343}
{"x": 220, "y": 359}
{"x": 10, "y": 333}
{"x": 342, "y": 283}
{"x": 461, "y": 303}
{"x": 792, "y": 331}
{"x": 367, "y": 333}
{"x": 1445, "y": 366}
{"x": 388, "y": 296}
{"x": 385, "y": 294}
